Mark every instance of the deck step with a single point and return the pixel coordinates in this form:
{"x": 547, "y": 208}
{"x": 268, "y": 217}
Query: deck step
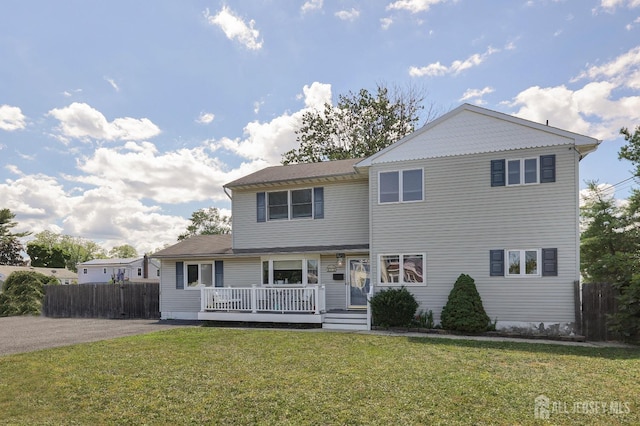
{"x": 345, "y": 320}
{"x": 333, "y": 326}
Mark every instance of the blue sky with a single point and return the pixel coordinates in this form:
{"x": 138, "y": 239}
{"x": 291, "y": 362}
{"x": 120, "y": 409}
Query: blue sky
{"x": 118, "y": 119}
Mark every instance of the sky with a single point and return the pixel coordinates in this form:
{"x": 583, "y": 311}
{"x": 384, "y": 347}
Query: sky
{"x": 120, "y": 118}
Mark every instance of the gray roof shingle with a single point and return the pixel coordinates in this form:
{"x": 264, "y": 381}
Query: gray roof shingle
{"x": 297, "y": 172}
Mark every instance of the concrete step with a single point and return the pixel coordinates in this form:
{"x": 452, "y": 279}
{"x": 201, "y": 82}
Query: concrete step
{"x": 337, "y": 326}
{"x": 345, "y": 320}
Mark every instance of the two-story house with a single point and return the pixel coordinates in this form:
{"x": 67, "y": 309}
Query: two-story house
{"x": 475, "y": 192}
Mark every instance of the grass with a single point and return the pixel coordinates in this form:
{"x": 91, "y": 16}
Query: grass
{"x": 234, "y": 376}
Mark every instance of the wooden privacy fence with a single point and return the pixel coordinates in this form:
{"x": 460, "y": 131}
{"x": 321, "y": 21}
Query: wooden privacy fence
{"x": 599, "y": 300}
{"x": 126, "y": 301}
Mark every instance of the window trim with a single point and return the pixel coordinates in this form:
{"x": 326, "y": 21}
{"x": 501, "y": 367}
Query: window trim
{"x": 305, "y": 269}
{"x": 522, "y": 161}
{"x": 316, "y": 204}
{"x": 401, "y": 257}
{"x": 401, "y": 173}
{"x": 523, "y": 252}
{"x": 199, "y": 285}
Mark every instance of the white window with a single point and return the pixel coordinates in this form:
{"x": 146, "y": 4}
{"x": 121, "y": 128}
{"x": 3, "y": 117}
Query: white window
{"x": 523, "y": 263}
{"x": 104, "y": 270}
{"x": 294, "y": 204}
{"x": 84, "y": 271}
{"x": 198, "y": 275}
{"x": 522, "y": 171}
{"x": 403, "y": 269}
{"x": 400, "y": 186}
{"x": 282, "y": 270}
{"x": 139, "y": 272}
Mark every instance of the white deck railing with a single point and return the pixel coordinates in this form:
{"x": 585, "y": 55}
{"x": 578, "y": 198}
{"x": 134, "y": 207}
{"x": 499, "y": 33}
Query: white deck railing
{"x": 277, "y": 298}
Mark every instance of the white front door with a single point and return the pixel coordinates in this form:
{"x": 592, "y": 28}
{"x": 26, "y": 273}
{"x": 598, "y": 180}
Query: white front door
{"x": 358, "y": 282}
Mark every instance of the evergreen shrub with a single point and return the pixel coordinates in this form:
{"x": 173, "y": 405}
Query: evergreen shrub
{"x": 464, "y": 311}
{"x": 393, "y": 307}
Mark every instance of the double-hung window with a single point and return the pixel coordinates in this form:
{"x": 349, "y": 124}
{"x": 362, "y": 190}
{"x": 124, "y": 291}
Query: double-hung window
{"x": 304, "y": 203}
{"x": 400, "y": 186}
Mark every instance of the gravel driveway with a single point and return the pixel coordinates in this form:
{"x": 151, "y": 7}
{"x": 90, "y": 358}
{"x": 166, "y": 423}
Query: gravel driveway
{"x": 29, "y": 333}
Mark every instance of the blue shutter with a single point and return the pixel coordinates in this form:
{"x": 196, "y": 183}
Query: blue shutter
{"x": 179, "y": 275}
{"x": 261, "y": 207}
{"x": 547, "y": 168}
{"x": 496, "y": 263}
{"x": 318, "y": 203}
{"x": 219, "y": 274}
{"x": 497, "y": 172}
{"x": 550, "y": 262}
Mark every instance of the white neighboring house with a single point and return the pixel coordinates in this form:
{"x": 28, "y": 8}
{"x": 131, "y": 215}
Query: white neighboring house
{"x": 105, "y": 271}
{"x": 63, "y": 275}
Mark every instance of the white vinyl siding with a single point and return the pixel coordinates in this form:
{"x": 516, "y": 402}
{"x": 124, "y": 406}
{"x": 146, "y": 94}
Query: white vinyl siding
{"x": 181, "y": 304}
{"x": 346, "y": 219}
{"x": 466, "y": 217}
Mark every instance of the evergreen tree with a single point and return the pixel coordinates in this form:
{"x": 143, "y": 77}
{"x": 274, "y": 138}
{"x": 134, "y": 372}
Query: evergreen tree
{"x": 10, "y": 245}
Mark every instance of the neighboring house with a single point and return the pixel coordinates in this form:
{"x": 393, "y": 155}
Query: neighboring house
{"x": 63, "y": 275}
{"x": 104, "y": 271}
{"x": 475, "y": 192}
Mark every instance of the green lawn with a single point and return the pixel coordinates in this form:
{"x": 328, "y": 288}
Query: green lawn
{"x": 233, "y": 376}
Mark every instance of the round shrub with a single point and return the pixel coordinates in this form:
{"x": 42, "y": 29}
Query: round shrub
{"x": 464, "y": 311}
{"x": 393, "y": 307}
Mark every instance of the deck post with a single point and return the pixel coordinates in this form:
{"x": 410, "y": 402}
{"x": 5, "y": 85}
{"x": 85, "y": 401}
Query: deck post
{"x": 253, "y": 299}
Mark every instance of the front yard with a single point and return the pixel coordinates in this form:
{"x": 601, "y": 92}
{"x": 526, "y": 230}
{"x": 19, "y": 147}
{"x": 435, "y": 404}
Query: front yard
{"x": 234, "y": 376}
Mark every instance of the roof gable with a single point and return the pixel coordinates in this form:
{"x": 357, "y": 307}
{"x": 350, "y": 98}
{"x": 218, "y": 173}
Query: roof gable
{"x": 469, "y": 129}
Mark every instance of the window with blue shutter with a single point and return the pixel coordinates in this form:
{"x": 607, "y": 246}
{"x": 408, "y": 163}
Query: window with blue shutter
{"x": 550, "y": 262}
{"x": 547, "y": 168}
{"x": 179, "y": 275}
{"x": 261, "y": 207}
{"x": 498, "y": 173}
{"x": 496, "y": 263}
{"x": 318, "y": 203}
{"x": 219, "y": 273}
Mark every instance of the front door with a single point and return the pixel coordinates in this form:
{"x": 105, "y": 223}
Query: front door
{"x": 358, "y": 281}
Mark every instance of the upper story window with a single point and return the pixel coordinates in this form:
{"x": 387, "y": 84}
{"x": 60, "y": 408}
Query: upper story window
{"x": 400, "y": 186}
{"x": 292, "y": 204}
{"x": 523, "y": 171}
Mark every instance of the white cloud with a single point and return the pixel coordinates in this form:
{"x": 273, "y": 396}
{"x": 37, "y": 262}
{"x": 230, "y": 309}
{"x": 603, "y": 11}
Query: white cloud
{"x": 414, "y": 6}
{"x": 69, "y": 93}
{"x": 268, "y": 141}
{"x": 611, "y": 5}
{"x": 235, "y": 28}
{"x": 385, "y": 23}
{"x": 311, "y": 5}
{"x": 256, "y": 106}
{"x": 205, "y": 118}
{"x": 81, "y": 121}
{"x": 599, "y": 108}
{"x": 11, "y": 118}
{"x": 113, "y": 83}
{"x": 476, "y": 94}
{"x": 456, "y": 67}
{"x": 348, "y": 15}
